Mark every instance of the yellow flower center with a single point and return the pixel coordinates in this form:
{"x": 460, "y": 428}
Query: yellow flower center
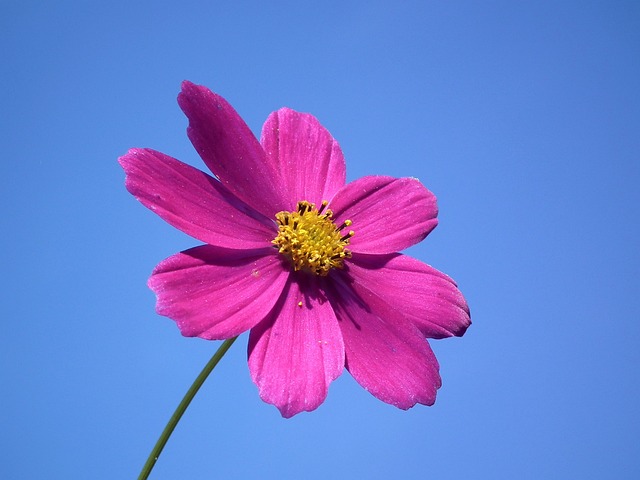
{"x": 310, "y": 240}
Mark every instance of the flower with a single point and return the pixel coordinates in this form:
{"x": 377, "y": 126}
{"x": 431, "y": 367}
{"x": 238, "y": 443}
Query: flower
{"x": 305, "y": 262}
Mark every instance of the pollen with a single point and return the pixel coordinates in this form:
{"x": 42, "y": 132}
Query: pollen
{"x": 310, "y": 240}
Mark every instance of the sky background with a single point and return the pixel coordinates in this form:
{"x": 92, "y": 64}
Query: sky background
{"x": 522, "y": 117}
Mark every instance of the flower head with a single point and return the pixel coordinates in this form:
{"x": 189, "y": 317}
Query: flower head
{"x": 304, "y": 261}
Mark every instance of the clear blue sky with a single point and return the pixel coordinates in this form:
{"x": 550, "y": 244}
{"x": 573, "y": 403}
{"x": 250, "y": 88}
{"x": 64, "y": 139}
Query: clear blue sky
{"x": 522, "y": 117}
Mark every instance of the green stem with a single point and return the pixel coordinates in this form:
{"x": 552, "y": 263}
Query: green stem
{"x": 175, "y": 418}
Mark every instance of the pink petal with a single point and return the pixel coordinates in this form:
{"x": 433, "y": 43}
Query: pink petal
{"x": 389, "y": 214}
{"x": 230, "y": 150}
{"x": 214, "y": 293}
{"x": 401, "y": 287}
{"x": 193, "y": 201}
{"x": 304, "y": 152}
{"x": 389, "y": 358}
{"x": 297, "y": 351}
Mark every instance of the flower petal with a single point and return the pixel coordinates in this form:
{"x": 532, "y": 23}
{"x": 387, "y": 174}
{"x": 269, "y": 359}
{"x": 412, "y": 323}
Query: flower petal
{"x": 297, "y": 351}
{"x": 390, "y": 359}
{"x": 230, "y": 150}
{"x": 388, "y": 214}
{"x": 405, "y": 288}
{"x": 193, "y": 201}
{"x": 309, "y": 160}
{"x": 215, "y": 293}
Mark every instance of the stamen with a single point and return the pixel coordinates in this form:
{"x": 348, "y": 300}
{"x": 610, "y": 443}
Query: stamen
{"x": 310, "y": 240}
{"x": 346, "y": 223}
{"x": 348, "y": 235}
{"x": 302, "y": 206}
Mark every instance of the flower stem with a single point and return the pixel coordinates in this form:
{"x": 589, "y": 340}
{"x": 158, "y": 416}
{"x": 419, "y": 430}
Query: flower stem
{"x": 177, "y": 415}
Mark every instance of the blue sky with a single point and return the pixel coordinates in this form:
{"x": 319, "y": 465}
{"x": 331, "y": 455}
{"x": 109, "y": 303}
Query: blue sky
{"x": 522, "y": 117}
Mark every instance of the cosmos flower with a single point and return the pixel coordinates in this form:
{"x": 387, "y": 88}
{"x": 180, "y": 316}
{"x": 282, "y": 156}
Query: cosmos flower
{"x": 307, "y": 263}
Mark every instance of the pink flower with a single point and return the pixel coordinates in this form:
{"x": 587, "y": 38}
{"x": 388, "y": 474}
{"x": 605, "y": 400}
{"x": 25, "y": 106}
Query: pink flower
{"x": 305, "y": 262}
